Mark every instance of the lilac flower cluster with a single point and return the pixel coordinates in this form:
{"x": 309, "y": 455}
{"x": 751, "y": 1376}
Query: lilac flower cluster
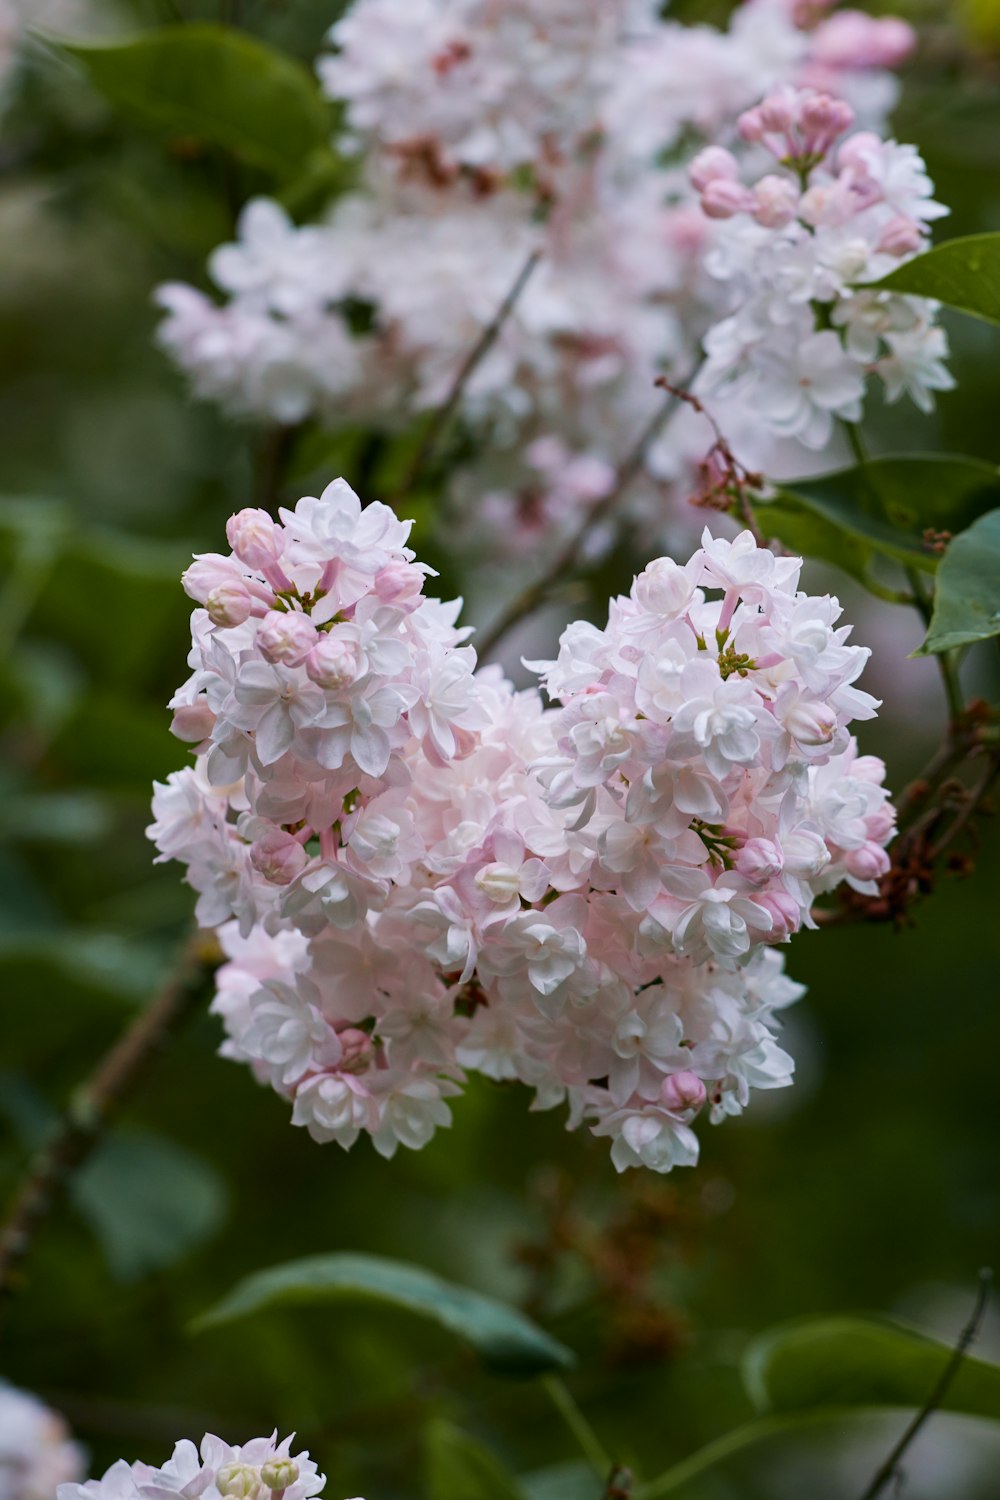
{"x": 420, "y": 872}
{"x": 488, "y": 132}
{"x": 262, "y": 1469}
{"x": 795, "y": 252}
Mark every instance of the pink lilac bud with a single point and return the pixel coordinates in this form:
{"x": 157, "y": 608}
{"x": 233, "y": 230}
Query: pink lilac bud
{"x": 778, "y": 114}
{"x": 869, "y": 862}
{"x": 286, "y": 637}
{"x": 786, "y": 917}
{"x": 334, "y": 664}
{"x": 901, "y": 236}
{"x": 256, "y": 539}
{"x": 776, "y": 202}
{"x": 664, "y": 588}
{"x": 206, "y": 574}
{"x": 682, "y": 1091}
{"x": 357, "y": 1050}
{"x": 811, "y": 723}
{"x": 750, "y": 125}
{"x": 399, "y": 583}
{"x": 759, "y": 860}
{"x": 714, "y": 163}
{"x": 822, "y": 119}
{"x": 879, "y": 825}
{"x": 229, "y": 604}
{"x": 278, "y": 857}
{"x": 722, "y": 199}
{"x": 193, "y": 722}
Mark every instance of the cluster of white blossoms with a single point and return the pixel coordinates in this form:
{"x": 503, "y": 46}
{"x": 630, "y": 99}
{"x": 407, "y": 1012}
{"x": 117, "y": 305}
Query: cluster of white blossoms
{"x": 262, "y": 1469}
{"x": 420, "y": 872}
{"x": 36, "y": 1451}
{"x": 803, "y": 335}
{"x": 491, "y": 136}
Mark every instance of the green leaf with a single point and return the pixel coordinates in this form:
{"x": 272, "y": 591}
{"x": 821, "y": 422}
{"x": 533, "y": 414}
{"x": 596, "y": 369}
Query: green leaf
{"x": 881, "y": 508}
{"x": 148, "y": 1201}
{"x": 459, "y": 1468}
{"x": 823, "y": 1370}
{"x": 964, "y": 273}
{"x": 215, "y": 85}
{"x": 861, "y": 1362}
{"x": 506, "y": 1340}
{"x": 967, "y": 592}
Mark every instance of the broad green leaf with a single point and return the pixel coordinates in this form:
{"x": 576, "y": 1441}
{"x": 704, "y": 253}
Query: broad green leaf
{"x": 825, "y": 1370}
{"x": 881, "y": 508}
{"x": 861, "y": 1362}
{"x": 504, "y": 1338}
{"x": 459, "y": 1468}
{"x": 964, "y": 273}
{"x": 216, "y": 85}
{"x": 148, "y": 1201}
{"x": 967, "y": 592}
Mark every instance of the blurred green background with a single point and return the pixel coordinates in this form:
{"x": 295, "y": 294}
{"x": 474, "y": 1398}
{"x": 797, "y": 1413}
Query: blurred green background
{"x": 873, "y": 1184}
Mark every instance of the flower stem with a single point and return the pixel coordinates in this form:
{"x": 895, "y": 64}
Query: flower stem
{"x": 590, "y": 1443}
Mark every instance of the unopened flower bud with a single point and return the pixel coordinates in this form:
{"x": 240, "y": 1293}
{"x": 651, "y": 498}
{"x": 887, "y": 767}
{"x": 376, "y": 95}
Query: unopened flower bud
{"x": 334, "y": 663}
{"x": 723, "y": 199}
{"x": 193, "y": 722}
{"x": 823, "y": 118}
{"x": 811, "y": 723}
{"x": 777, "y": 114}
{"x": 901, "y": 236}
{"x": 870, "y": 862}
{"x": 241, "y": 1481}
{"x": 784, "y": 912}
{"x": 229, "y": 604}
{"x": 256, "y": 539}
{"x": 879, "y": 825}
{"x": 682, "y": 1091}
{"x": 750, "y": 125}
{"x": 278, "y": 857}
{"x": 286, "y": 637}
{"x": 207, "y": 573}
{"x": 664, "y": 588}
{"x": 710, "y": 165}
{"x": 805, "y": 853}
{"x": 279, "y": 1473}
{"x": 399, "y": 583}
{"x": 759, "y": 860}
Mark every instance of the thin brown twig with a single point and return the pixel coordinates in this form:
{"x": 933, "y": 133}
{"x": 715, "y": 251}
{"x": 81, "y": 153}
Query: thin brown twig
{"x": 85, "y": 1117}
{"x": 890, "y": 1470}
{"x": 726, "y": 483}
{"x": 566, "y": 559}
{"x": 442, "y": 418}
{"x": 971, "y": 803}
